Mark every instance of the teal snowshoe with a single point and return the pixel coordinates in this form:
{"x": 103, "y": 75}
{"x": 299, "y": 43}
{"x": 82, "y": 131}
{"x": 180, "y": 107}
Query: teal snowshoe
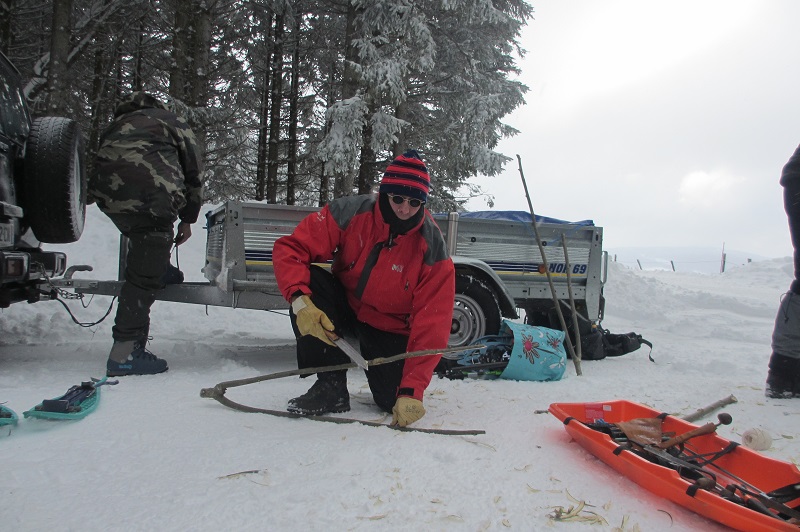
{"x": 79, "y": 401}
{"x": 7, "y": 416}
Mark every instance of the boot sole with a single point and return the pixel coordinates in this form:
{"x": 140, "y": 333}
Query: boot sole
{"x": 320, "y": 412}
{"x": 127, "y": 374}
{"x": 787, "y": 395}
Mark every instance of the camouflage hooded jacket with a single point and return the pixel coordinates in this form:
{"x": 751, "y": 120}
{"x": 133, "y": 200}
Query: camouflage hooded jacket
{"x": 148, "y": 162}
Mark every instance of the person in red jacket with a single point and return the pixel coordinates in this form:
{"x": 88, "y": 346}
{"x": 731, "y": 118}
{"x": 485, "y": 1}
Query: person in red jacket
{"x": 391, "y": 286}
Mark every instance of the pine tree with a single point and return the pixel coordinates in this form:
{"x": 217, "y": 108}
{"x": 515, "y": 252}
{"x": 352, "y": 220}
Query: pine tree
{"x": 297, "y": 101}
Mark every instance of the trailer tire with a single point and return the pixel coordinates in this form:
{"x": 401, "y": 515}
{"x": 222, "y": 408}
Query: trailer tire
{"x": 476, "y": 312}
{"x": 55, "y": 180}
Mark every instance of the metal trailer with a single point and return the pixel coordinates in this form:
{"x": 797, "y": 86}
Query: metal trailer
{"x": 499, "y": 268}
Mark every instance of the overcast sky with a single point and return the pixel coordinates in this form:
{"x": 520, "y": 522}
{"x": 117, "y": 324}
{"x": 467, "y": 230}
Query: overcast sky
{"x": 667, "y": 123}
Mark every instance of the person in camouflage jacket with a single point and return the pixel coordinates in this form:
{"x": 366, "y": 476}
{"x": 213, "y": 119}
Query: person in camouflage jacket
{"x": 147, "y": 175}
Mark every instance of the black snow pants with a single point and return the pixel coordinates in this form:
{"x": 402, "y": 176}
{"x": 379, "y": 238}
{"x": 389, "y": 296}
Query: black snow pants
{"x": 328, "y": 295}
{"x": 149, "y": 244}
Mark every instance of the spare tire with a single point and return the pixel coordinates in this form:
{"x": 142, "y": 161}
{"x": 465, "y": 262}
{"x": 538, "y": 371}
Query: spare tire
{"x": 55, "y": 180}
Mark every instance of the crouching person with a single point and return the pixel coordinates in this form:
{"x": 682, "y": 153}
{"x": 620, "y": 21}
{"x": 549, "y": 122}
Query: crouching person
{"x": 391, "y": 286}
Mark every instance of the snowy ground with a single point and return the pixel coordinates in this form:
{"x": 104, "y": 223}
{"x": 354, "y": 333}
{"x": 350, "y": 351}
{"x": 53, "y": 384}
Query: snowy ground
{"x": 155, "y": 456}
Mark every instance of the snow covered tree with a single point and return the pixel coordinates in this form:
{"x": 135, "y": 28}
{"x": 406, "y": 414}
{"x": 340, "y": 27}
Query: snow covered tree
{"x": 297, "y": 101}
{"x": 434, "y": 76}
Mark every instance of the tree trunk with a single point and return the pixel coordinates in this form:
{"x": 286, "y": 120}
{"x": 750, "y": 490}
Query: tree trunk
{"x": 261, "y": 160}
{"x": 324, "y": 178}
{"x": 137, "y": 71}
{"x": 6, "y": 8}
{"x": 294, "y": 102}
{"x": 276, "y": 99}
{"x": 98, "y": 111}
{"x": 56, "y": 102}
{"x": 343, "y": 185}
{"x": 263, "y": 112}
{"x": 399, "y": 147}
{"x": 366, "y": 162}
{"x": 190, "y": 51}
{"x": 180, "y": 49}
{"x": 197, "y": 91}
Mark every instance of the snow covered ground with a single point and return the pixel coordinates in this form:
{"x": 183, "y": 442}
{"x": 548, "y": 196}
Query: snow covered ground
{"x": 156, "y": 456}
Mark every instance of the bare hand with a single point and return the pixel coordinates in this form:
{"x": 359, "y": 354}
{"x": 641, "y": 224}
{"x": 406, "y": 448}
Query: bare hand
{"x": 183, "y": 234}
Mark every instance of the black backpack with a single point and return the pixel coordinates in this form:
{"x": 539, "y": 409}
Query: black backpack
{"x": 600, "y": 343}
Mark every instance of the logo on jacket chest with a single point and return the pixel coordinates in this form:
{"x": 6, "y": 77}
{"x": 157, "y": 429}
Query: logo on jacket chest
{"x": 397, "y": 268}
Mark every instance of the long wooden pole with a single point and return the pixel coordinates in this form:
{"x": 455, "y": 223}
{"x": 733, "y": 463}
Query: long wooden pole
{"x": 573, "y": 308}
{"x": 556, "y": 302}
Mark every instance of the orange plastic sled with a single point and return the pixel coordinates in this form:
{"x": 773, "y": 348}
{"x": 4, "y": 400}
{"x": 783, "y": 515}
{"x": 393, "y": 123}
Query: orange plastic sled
{"x": 713, "y": 470}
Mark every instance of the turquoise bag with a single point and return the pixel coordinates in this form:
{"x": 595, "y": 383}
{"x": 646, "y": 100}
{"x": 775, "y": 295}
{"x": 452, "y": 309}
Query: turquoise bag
{"x": 537, "y": 353}
{"x": 518, "y": 352}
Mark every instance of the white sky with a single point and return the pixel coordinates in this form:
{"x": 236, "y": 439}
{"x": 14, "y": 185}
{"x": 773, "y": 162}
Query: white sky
{"x": 667, "y": 123}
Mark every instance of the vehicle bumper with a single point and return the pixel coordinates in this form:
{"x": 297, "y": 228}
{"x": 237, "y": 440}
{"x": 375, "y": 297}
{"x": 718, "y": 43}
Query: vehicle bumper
{"x": 21, "y": 273}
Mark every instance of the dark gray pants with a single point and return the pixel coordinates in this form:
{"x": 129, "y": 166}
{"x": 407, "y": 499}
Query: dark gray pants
{"x": 149, "y": 245}
{"x": 786, "y": 335}
{"x": 329, "y": 296}
{"x": 791, "y": 203}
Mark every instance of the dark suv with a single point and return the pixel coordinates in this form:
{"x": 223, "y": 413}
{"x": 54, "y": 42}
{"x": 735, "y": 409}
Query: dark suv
{"x": 42, "y": 192}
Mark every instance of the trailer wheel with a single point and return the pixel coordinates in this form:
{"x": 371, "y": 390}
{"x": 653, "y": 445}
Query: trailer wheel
{"x": 476, "y": 312}
{"x": 55, "y": 180}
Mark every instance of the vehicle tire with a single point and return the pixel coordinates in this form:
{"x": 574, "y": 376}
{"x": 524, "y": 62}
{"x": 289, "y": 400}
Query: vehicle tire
{"x": 476, "y": 312}
{"x": 55, "y": 180}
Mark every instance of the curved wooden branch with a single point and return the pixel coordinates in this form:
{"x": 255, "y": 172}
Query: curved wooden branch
{"x": 218, "y": 393}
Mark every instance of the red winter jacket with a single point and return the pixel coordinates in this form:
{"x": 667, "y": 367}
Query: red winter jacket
{"x": 409, "y": 290}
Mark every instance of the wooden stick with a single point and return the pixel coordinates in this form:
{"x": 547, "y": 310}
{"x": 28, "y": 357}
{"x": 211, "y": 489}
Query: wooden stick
{"x": 703, "y": 412}
{"x": 342, "y": 420}
{"x": 220, "y": 388}
{"x": 556, "y": 302}
{"x": 573, "y": 307}
{"x": 708, "y": 428}
{"x": 218, "y": 392}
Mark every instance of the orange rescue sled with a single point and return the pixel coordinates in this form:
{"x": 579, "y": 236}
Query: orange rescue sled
{"x": 707, "y": 474}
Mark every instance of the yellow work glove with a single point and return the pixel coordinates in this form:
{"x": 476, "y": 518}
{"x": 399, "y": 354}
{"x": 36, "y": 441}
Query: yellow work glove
{"x": 311, "y": 320}
{"x": 406, "y": 411}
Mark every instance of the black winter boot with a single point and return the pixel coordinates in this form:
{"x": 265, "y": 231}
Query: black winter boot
{"x": 328, "y": 395}
{"x": 783, "y": 378}
{"x": 136, "y": 360}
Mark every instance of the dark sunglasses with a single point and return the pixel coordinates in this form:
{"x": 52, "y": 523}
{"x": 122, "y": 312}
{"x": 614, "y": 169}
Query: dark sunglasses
{"x": 398, "y": 200}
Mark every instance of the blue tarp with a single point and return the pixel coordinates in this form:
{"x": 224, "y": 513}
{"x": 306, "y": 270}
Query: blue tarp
{"x": 518, "y": 216}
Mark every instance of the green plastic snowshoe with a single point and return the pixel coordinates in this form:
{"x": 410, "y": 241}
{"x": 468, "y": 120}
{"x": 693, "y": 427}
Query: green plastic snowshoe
{"x": 79, "y": 401}
{"x": 7, "y": 416}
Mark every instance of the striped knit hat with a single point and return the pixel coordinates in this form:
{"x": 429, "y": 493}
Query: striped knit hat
{"x": 407, "y": 176}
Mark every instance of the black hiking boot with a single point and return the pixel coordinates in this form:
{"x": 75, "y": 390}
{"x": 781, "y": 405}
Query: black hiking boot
{"x": 328, "y": 395}
{"x": 783, "y": 378}
{"x": 140, "y": 361}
